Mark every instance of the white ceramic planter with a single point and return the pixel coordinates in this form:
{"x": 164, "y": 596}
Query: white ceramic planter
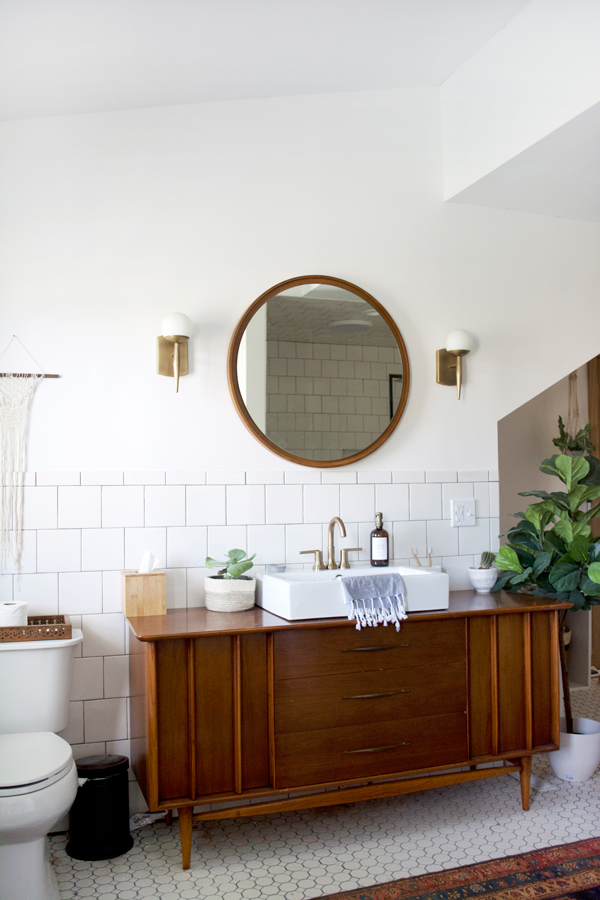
{"x": 579, "y": 754}
{"x": 229, "y": 594}
{"x": 483, "y": 580}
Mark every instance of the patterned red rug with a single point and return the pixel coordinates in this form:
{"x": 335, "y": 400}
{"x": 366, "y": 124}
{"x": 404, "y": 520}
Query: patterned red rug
{"x": 568, "y": 871}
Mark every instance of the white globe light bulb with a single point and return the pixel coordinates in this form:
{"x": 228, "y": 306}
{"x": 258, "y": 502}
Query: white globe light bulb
{"x": 459, "y": 340}
{"x": 177, "y": 324}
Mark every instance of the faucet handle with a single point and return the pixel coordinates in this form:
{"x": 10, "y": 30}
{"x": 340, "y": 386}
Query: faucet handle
{"x": 318, "y": 566}
{"x": 344, "y": 564}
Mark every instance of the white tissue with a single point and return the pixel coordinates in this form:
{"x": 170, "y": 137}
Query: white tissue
{"x": 13, "y": 613}
{"x": 148, "y": 563}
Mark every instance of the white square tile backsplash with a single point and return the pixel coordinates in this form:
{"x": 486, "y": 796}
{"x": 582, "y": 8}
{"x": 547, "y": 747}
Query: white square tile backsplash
{"x": 165, "y": 505}
{"x": 80, "y": 592}
{"x": 205, "y": 505}
{"x": 40, "y": 507}
{"x": 82, "y": 529}
{"x": 59, "y": 551}
{"x": 122, "y": 506}
{"x": 79, "y": 507}
{"x": 102, "y": 548}
{"x": 40, "y": 592}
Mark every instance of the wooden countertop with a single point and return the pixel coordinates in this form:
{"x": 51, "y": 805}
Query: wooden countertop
{"x": 187, "y": 623}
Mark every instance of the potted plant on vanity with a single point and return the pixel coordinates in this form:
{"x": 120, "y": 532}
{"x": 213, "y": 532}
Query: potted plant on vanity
{"x": 484, "y": 578}
{"x": 551, "y": 553}
{"x": 230, "y": 590}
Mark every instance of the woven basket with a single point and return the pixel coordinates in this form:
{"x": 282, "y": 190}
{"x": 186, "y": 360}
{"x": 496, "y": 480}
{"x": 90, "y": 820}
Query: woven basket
{"x": 229, "y": 594}
{"x": 38, "y": 628}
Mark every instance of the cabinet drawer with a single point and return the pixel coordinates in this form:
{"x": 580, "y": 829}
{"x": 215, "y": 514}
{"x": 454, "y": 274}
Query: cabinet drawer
{"x": 361, "y": 751}
{"x": 359, "y": 698}
{"x": 332, "y": 651}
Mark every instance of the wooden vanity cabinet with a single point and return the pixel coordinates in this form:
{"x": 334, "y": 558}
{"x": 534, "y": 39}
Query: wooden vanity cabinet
{"x": 234, "y": 708}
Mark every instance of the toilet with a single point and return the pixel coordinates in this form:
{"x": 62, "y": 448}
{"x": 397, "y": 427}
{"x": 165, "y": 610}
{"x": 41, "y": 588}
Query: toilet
{"x": 38, "y": 775}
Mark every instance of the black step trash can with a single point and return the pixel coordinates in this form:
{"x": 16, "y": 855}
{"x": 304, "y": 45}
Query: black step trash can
{"x": 99, "y": 818}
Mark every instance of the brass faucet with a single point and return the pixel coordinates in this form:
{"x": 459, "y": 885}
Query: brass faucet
{"x": 331, "y": 563}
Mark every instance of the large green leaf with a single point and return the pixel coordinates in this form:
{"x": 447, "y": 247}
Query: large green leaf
{"x": 525, "y": 542}
{"x": 577, "y": 599}
{"x": 211, "y": 563}
{"x": 506, "y": 558}
{"x": 594, "y": 473}
{"x": 565, "y": 576}
{"x": 594, "y": 551}
{"x": 594, "y": 572}
{"x": 588, "y": 586}
{"x": 548, "y": 466}
{"x": 580, "y": 494}
{"x": 542, "y": 561}
{"x": 553, "y": 542}
{"x": 590, "y": 514}
{"x": 519, "y": 579}
{"x": 572, "y": 469}
{"x": 578, "y": 549}
{"x": 501, "y": 581}
{"x": 239, "y": 569}
{"x": 236, "y": 555}
{"x": 569, "y": 530}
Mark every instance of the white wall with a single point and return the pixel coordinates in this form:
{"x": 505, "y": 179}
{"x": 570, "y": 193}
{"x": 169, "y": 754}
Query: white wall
{"x": 111, "y": 221}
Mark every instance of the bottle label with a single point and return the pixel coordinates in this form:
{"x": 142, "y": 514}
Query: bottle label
{"x": 379, "y": 548}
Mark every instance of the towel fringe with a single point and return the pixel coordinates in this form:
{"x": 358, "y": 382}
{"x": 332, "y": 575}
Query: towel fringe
{"x": 369, "y": 613}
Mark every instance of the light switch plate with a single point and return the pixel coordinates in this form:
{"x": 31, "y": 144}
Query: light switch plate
{"x": 462, "y": 513}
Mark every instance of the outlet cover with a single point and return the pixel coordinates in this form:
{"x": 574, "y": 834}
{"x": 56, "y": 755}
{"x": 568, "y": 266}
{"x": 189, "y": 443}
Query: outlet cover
{"x": 462, "y": 513}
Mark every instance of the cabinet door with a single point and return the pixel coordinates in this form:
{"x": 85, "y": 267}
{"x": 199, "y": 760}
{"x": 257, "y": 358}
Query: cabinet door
{"x": 513, "y": 683}
{"x": 211, "y": 715}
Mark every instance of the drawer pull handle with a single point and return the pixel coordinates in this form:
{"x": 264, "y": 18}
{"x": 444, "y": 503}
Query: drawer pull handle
{"x": 371, "y": 696}
{"x": 380, "y": 749}
{"x": 372, "y": 649}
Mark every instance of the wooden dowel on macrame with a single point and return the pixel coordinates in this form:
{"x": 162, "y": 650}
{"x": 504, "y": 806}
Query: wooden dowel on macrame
{"x": 25, "y": 375}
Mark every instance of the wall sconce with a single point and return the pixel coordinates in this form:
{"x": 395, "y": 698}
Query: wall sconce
{"x": 172, "y": 347}
{"x": 449, "y": 361}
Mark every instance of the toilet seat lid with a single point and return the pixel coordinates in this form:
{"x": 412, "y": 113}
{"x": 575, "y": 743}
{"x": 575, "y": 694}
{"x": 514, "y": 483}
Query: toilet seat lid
{"x": 30, "y": 758}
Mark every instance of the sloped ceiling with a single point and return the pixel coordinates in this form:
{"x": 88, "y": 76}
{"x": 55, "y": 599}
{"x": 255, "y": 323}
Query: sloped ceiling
{"x": 60, "y": 57}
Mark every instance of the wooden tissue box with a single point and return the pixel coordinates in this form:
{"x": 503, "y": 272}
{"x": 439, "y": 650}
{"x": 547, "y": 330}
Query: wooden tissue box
{"x": 144, "y": 595}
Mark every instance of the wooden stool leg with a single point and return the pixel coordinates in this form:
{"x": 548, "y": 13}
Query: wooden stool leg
{"x": 169, "y": 817}
{"x": 525, "y": 778}
{"x": 185, "y": 834}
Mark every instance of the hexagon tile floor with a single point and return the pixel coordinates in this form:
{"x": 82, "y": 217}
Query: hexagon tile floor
{"x": 305, "y": 854}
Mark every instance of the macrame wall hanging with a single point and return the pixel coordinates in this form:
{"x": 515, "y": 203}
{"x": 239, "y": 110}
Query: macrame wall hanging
{"x": 573, "y": 420}
{"x": 16, "y": 391}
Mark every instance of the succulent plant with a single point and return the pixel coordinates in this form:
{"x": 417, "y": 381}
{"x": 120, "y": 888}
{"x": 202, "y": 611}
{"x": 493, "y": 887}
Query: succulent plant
{"x": 487, "y": 559}
{"x": 234, "y": 566}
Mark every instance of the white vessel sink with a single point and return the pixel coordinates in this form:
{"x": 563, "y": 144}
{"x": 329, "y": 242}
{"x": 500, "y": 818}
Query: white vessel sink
{"x": 319, "y": 595}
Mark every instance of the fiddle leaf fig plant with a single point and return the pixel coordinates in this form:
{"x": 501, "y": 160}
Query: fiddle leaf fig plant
{"x": 234, "y": 566}
{"x": 551, "y": 552}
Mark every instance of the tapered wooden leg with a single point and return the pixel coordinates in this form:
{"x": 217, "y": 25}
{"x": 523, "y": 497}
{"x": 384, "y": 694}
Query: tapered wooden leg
{"x": 185, "y": 834}
{"x": 525, "y": 780}
{"x": 169, "y": 817}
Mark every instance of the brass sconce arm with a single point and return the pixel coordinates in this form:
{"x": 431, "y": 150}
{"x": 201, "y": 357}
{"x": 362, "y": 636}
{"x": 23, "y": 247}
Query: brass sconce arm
{"x": 449, "y": 360}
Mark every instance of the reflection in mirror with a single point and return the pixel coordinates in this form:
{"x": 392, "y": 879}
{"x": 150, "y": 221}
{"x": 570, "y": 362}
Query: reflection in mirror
{"x": 320, "y": 371}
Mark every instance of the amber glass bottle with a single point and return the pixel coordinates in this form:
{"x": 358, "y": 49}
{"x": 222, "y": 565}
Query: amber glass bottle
{"x": 380, "y": 543}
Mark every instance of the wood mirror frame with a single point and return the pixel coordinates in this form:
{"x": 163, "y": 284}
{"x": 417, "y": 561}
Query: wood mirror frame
{"x": 232, "y": 371}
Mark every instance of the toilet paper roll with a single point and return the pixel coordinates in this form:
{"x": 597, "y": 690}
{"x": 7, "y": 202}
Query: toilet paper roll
{"x": 13, "y": 612}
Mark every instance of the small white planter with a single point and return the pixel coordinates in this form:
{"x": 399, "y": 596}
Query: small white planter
{"x": 229, "y": 594}
{"x": 483, "y": 580}
{"x": 579, "y": 754}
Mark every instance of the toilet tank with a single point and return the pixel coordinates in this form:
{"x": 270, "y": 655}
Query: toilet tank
{"x": 35, "y": 684}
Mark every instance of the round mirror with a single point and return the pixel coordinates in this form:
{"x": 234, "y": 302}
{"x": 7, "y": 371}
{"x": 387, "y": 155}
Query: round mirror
{"x": 318, "y": 371}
